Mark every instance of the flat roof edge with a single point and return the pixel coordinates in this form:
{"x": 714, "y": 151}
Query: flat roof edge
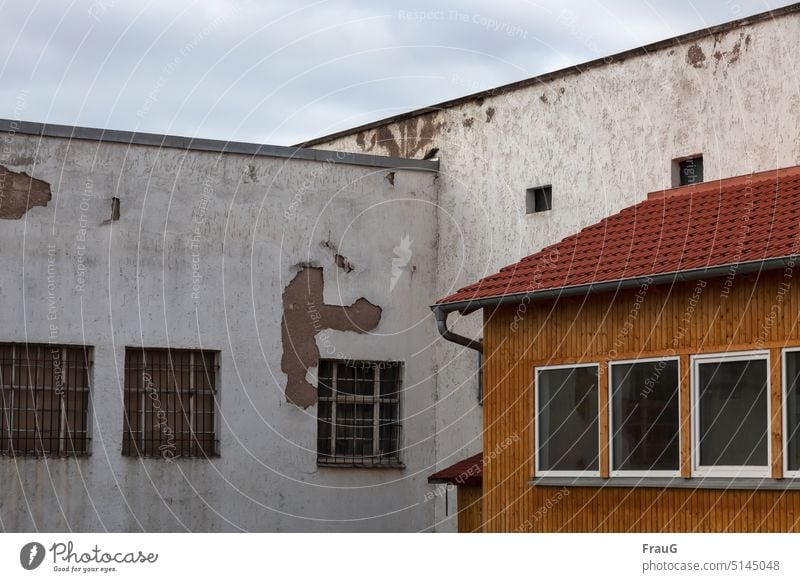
{"x": 559, "y": 73}
{"x": 211, "y": 145}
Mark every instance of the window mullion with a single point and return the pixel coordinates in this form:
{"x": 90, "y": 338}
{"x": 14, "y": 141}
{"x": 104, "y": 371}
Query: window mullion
{"x": 192, "y": 435}
{"x": 335, "y": 386}
{"x": 376, "y": 414}
{"x": 62, "y": 404}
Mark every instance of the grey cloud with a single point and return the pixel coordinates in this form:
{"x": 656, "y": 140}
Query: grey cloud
{"x": 284, "y": 71}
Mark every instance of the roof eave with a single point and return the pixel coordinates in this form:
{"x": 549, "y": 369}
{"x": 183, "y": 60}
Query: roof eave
{"x": 468, "y": 306}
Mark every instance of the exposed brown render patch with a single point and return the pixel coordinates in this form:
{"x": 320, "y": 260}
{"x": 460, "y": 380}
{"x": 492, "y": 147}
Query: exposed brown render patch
{"x": 304, "y": 316}
{"x": 405, "y": 140}
{"x": 388, "y": 141}
{"x": 19, "y": 193}
{"x": 490, "y": 111}
{"x": 695, "y": 56}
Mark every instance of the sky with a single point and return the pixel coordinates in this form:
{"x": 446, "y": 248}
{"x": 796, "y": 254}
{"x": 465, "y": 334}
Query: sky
{"x": 281, "y": 71}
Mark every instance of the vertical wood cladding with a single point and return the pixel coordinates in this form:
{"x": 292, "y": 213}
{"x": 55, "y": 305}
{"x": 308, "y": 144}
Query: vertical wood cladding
{"x": 470, "y": 511}
{"x": 721, "y": 315}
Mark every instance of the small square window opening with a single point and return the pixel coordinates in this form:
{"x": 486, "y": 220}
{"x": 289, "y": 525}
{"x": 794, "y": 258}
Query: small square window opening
{"x": 687, "y": 171}
{"x": 539, "y": 199}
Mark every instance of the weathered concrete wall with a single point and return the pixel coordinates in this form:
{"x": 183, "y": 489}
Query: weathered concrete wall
{"x": 200, "y": 256}
{"x": 603, "y": 138}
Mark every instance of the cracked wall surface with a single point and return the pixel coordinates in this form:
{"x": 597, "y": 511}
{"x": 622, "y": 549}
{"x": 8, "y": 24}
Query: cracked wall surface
{"x": 190, "y": 257}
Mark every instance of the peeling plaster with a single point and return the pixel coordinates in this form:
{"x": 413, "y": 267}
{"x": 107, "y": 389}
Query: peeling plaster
{"x": 343, "y": 263}
{"x": 305, "y": 315}
{"x": 19, "y": 193}
{"x": 340, "y": 260}
{"x": 733, "y": 54}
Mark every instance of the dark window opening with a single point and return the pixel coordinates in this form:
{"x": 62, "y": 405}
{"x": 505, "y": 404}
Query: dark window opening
{"x": 358, "y": 413}
{"x": 567, "y": 419}
{"x": 170, "y": 401}
{"x": 645, "y": 417}
{"x": 732, "y": 403}
{"x": 690, "y": 171}
{"x": 539, "y": 199}
{"x": 44, "y": 399}
{"x": 792, "y": 405}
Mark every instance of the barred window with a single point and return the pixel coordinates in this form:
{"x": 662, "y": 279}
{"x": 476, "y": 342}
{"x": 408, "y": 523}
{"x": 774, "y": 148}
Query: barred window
{"x": 358, "y": 413}
{"x": 44, "y": 399}
{"x": 170, "y": 399}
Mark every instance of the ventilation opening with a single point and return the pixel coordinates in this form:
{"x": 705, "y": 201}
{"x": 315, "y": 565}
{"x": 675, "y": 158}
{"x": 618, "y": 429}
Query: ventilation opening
{"x": 687, "y": 171}
{"x": 539, "y": 199}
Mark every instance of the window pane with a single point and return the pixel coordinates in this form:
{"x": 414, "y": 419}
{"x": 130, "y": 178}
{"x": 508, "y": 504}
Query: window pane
{"x": 792, "y": 405}
{"x": 364, "y": 429}
{"x": 389, "y": 429}
{"x": 325, "y": 379}
{"x": 568, "y": 419}
{"x": 365, "y": 379}
{"x": 733, "y": 413}
{"x": 389, "y": 375}
{"x": 345, "y": 429}
{"x": 324, "y": 427}
{"x": 645, "y": 416}
{"x": 346, "y": 379}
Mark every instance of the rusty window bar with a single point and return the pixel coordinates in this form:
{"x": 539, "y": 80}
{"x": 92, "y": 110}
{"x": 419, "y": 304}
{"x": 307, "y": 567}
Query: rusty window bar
{"x": 358, "y": 413}
{"x": 44, "y": 399}
{"x": 170, "y": 403}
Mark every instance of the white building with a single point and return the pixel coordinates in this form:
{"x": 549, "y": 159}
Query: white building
{"x": 240, "y": 254}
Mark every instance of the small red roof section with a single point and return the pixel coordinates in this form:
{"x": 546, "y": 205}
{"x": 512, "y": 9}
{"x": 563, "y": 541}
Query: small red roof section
{"x": 718, "y": 223}
{"x": 468, "y": 472}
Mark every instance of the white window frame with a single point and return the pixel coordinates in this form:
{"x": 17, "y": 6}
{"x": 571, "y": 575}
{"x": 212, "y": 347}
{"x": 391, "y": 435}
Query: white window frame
{"x": 784, "y": 418}
{"x": 536, "y": 425}
{"x": 728, "y": 471}
{"x": 649, "y": 473}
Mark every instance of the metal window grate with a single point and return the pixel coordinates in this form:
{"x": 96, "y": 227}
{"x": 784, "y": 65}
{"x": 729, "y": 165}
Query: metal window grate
{"x": 358, "y": 413}
{"x": 170, "y": 401}
{"x": 44, "y": 399}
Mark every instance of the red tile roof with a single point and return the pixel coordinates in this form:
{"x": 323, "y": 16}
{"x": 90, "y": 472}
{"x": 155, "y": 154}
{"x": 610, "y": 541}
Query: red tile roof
{"x": 719, "y": 223}
{"x": 467, "y": 472}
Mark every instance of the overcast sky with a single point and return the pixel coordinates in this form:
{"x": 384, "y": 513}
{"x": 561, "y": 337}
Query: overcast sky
{"x": 281, "y": 71}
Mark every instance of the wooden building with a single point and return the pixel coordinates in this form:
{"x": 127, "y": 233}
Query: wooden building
{"x": 644, "y": 374}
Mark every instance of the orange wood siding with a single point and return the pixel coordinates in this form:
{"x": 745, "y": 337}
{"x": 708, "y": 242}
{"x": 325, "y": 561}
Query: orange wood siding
{"x": 741, "y": 313}
{"x": 470, "y": 511}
